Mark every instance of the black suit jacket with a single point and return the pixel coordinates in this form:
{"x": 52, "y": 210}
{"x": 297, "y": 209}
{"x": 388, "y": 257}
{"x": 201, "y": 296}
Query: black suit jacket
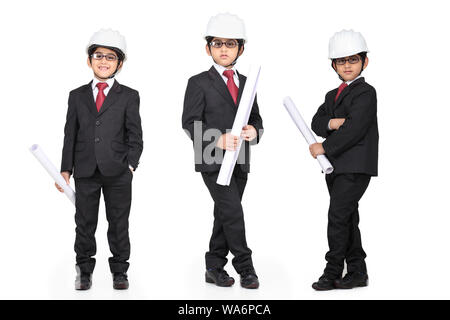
{"x": 353, "y": 148}
{"x": 110, "y": 139}
{"x": 208, "y": 100}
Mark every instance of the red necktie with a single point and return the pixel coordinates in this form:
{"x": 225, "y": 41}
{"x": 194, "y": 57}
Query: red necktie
{"x": 100, "y": 95}
{"x": 231, "y": 85}
{"x": 341, "y": 87}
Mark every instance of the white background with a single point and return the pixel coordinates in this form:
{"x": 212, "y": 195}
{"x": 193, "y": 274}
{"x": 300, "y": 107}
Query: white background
{"x": 404, "y": 213}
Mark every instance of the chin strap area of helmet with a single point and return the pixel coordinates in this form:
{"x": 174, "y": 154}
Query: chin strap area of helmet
{"x": 117, "y": 70}
{"x": 231, "y": 64}
{"x": 110, "y": 77}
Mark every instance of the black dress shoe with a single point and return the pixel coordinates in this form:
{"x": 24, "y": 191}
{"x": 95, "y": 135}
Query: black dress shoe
{"x": 83, "y": 281}
{"x": 249, "y": 279}
{"x": 352, "y": 280}
{"x": 218, "y": 276}
{"x": 120, "y": 281}
{"x": 325, "y": 282}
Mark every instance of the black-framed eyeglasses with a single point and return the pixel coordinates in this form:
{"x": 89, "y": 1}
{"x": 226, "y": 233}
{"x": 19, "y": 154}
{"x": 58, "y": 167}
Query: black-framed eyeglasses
{"x": 108, "y": 56}
{"x": 351, "y": 60}
{"x": 229, "y": 44}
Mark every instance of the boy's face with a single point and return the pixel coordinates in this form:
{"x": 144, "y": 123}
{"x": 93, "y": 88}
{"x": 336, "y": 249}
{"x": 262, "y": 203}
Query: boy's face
{"x": 224, "y": 55}
{"x": 103, "y": 68}
{"x": 347, "y": 70}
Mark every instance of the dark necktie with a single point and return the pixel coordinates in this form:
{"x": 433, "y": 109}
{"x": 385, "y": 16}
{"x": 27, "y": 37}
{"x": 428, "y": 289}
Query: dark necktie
{"x": 341, "y": 88}
{"x": 100, "y": 95}
{"x": 231, "y": 85}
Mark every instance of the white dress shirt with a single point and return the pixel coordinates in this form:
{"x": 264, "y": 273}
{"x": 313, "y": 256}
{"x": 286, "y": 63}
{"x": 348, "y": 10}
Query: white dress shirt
{"x": 110, "y": 83}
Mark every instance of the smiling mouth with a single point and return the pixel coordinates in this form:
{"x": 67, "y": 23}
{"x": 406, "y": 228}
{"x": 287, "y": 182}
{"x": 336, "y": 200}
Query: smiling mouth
{"x": 103, "y": 68}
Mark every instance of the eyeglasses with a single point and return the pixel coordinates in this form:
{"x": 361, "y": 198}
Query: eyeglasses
{"x": 229, "y": 44}
{"x": 108, "y": 56}
{"x": 351, "y": 60}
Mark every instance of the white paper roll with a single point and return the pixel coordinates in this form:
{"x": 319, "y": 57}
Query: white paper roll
{"x": 240, "y": 121}
{"x": 306, "y": 132}
{"x": 37, "y": 151}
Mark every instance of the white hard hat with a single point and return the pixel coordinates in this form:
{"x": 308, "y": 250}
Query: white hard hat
{"x": 346, "y": 43}
{"x": 226, "y": 25}
{"x": 109, "y": 38}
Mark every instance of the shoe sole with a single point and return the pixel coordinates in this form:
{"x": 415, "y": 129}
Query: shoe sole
{"x": 322, "y": 289}
{"x": 211, "y": 280}
{"x": 121, "y": 287}
{"x": 82, "y": 288}
{"x": 359, "y": 285}
{"x": 316, "y": 287}
{"x": 251, "y": 286}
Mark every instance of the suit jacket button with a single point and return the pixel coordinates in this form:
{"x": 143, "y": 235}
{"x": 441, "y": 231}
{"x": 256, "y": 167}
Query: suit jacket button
{"x": 97, "y": 123}
{"x": 97, "y": 140}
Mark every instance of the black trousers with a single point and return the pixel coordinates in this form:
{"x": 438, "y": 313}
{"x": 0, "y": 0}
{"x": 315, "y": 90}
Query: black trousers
{"x": 344, "y": 237}
{"x": 117, "y": 196}
{"x": 229, "y": 228}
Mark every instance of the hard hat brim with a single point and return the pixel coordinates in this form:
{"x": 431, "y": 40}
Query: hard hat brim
{"x": 346, "y": 54}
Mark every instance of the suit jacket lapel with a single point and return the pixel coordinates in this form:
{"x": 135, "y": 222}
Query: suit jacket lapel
{"x": 110, "y": 98}
{"x": 220, "y": 86}
{"x": 347, "y": 90}
{"x": 342, "y": 95}
{"x": 89, "y": 100}
{"x": 242, "y": 80}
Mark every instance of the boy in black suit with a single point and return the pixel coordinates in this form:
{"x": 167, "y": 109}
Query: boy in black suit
{"x": 102, "y": 147}
{"x": 210, "y": 106}
{"x": 348, "y": 121}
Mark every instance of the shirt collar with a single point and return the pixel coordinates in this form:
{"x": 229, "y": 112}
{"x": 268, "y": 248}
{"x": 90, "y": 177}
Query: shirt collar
{"x": 349, "y": 82}
{"x": 220, "y": 69}
{"x": 110, "y": 83}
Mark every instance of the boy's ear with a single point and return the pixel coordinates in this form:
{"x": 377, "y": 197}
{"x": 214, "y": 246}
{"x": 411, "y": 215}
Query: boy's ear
{"x": 333, "y": 64}
{"x": 208, "y": 51}
{"x": 120, "y": 65}
{"x": 366, "y": 62}
{"x": 241, "y": 51}
{"x": 89, "y": 62}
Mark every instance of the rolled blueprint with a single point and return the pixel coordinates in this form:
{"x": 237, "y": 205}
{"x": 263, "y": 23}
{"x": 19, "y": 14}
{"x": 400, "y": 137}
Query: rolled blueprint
{"x": 37, "y": 151}
{"x": 306, "y": 132}
{"x": 240, "y": 121}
